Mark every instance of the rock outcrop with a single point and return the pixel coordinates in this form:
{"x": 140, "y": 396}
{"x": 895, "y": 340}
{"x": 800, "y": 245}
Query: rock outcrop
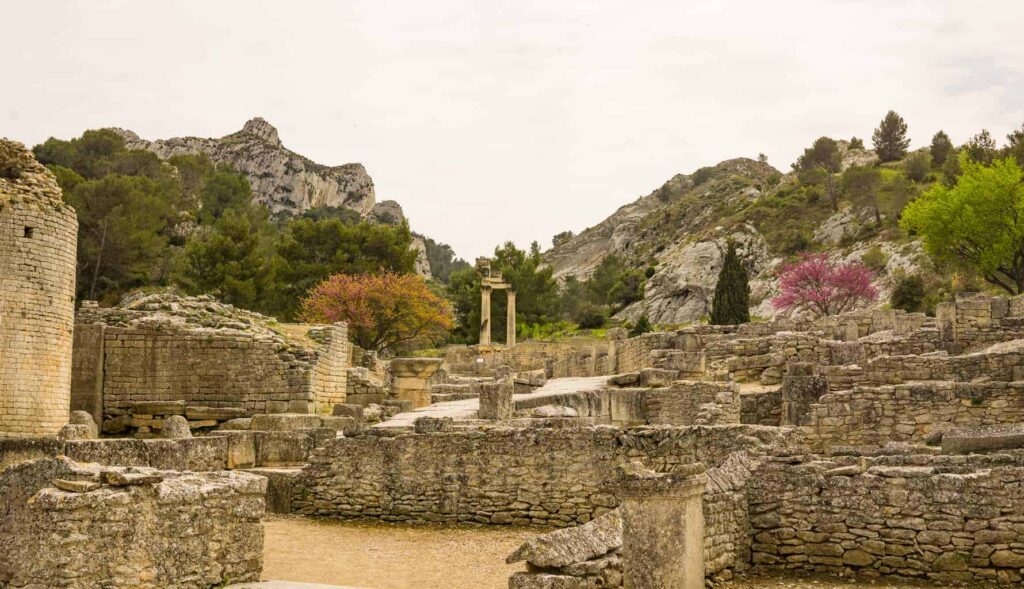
{"x": 281, "y": 179}
{"x": 284, "y": 181}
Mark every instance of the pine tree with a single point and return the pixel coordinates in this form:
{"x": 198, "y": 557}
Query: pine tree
{"x": 731, "y": 304}
{"x": 941, "y": 148}
{"x": 890, "y": 138}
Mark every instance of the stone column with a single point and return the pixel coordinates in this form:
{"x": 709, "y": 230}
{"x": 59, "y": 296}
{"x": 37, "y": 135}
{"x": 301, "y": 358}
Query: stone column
{"x": 662, "y": 527}
{"x": 510, "y": 324}
{"x": 800, "y": 388}
{"x": 411, "y": 375}
{"x": 485, "y": 315}
{"x": 496, "y": 399}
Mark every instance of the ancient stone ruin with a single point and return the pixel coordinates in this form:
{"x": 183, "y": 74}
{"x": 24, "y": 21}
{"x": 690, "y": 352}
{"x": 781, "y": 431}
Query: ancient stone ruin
{"x": 38, "y": 236}
{"x": 872, "y": 444}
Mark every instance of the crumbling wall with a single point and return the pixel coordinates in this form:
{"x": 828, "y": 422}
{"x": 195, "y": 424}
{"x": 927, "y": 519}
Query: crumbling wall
{"x": 910, "y": 412}
{"x": 555, "y": 477}
{"x": 85, "y": 526}
{"x": 693, "y": 403}
{"x": 948, "y": 519}
{"x": 38, "y": 240}
{"x": 169, "y": 348}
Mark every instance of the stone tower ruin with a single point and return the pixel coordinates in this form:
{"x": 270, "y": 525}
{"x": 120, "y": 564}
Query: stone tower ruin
{"x": 38, "y": 237}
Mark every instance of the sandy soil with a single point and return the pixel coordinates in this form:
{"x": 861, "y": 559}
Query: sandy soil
{"x": 384, "y": 556}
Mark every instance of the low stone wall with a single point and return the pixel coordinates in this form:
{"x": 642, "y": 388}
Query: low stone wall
{"x": 575, "y": 357}
{"x": 693, "y": 403}
{"x": 761, "y": 408}
{"x": 948, "y": 519}
{"x": 910, "y": 412}
{"x": 83, "y": 526}
{"x": 554, "y": 477}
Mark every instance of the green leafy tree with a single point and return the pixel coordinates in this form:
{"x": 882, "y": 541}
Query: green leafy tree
{"x": 978, "y": 222}
{"x": 890, "y": 138}
{"x": 856, "y": 143}
{"x": 981, "y": 148}
{"x": 951, "y": 170}
{"x": 861, "y": 184}
{"x": 604, "y": 277}
{"x": 442, "y": 260}
{"x": 918, "y": 165}
{"x": 731, "y": 302}
{"x": 121, "y": 239}
{"x": 310, "y": 251}
{"x": 231, "y": 260}
{"x": 628, "y": 289}
{"x": 941, "y": 148}
{"x": 1015, "y": 145}
{"x": 822, "y": 159}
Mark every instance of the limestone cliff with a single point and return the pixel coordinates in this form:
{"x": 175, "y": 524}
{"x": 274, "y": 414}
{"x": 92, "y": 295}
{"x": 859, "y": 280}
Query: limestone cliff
{"x": 282, "y": 180}
{"x": 679, "y": 234}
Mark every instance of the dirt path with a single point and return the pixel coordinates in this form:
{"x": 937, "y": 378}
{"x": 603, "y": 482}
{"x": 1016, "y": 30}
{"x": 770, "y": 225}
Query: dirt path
{"x": 385, "y": 556}
{"x": 382, "y": 556}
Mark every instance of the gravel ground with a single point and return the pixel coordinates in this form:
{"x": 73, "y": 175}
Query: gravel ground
{"x": 383, "y": 556}
{"x": 392, "y": 556}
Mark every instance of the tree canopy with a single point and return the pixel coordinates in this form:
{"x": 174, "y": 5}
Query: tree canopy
{"x": 890, "y": 138}
{"x": 731, "y": 303}
{"x": 978, "y": 222}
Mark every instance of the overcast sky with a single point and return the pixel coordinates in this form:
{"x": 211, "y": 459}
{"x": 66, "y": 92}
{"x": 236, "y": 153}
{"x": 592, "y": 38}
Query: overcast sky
{"x": 498, "y": 120}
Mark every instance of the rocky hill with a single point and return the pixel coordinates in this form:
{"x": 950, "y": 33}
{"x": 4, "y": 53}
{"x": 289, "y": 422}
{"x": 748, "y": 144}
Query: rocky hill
{"x": 679, "y": 233}
{"x": 284, "y": 181}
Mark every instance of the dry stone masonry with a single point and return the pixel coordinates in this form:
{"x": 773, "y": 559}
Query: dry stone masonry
{"x": 221, "y": 362}
{"x": 38, "y": 238}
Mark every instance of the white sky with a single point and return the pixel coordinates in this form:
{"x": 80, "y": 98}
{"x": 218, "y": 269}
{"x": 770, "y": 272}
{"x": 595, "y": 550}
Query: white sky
{"x": 492, "y": 120}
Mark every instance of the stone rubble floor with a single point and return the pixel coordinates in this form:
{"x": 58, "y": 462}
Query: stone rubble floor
{"x": 466, "y": 409}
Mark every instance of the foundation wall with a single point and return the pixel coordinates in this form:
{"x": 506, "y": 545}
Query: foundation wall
{"x": 555, "y": 477}
{"x": 942, "y": 518}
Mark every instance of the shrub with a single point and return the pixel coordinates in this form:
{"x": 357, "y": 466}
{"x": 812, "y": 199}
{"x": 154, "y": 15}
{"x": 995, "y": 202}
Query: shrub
{"x": 642, "y": 326}
{"x": 592, "y": 316}
{"x": 702, "y": 175}
{"x": 918, "y": 165}
{"x": 875, "y": 258}
{"x": 856, "y": 143}
{"x": 908, "y": 293}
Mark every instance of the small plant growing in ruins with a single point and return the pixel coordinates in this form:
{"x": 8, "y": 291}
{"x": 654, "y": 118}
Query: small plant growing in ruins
{"x": 819, "y": 286}
{"x": 731, "y": 303}
{"x": 642, "y": 326}
{"x": 382, "y": 311}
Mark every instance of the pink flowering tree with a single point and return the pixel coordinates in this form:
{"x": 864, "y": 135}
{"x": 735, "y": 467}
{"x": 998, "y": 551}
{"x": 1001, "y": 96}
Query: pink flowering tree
{"x": 817, "y": 285}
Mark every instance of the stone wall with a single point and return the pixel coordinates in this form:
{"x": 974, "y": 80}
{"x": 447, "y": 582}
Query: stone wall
{"x": 575, "y": 357}
{"x": 38, "y": 240}
{"x": 169, "y": 348}
{"x": 555, "y": 477}
{"x": 910, "y": 412}
{"x": 120, "y": 528}
{"x": 693, "y": 403}
{"x": 942, "y": 518}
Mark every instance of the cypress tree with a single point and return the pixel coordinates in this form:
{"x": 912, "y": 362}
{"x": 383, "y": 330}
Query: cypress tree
{"x": 731, "y": 304}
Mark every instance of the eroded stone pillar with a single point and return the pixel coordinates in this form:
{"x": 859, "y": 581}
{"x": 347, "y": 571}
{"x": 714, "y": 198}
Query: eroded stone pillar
{"x": 485, "y": 316}
{"x": 800, "y": 388}
{"x": 510, "y": 324}
{"x": 662, "y": 527}
{"x": 496, "y": 399}
{"x": 411, "y": 375}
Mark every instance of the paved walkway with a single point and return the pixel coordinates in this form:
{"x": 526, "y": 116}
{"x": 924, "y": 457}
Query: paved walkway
{"x": 466, "y": 409}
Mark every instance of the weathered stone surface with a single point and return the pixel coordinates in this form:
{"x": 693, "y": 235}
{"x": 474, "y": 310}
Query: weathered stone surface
{"x": 554, "y": 411}
{"x": 983, "y": 439}
{"x": 284, "y": 422}
{"x": 496, "y": 400}
{"x": 571, "y": 545}
{"x": 57, "y": 529}
{"x": 38, "y": 236}
{"x": 73, "y": 431}
{"x": 84, "y": 418}
{"x": 175, "y": 428}
{"x": 427, "y": 425}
